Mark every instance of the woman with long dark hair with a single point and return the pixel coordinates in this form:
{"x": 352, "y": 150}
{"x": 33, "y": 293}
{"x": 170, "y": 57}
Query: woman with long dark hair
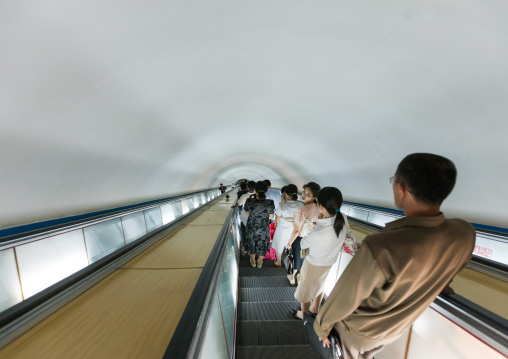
{"x": 304, "y": 222}
{"x": 257, "y": 232}
{"x": 323, "y": 246}
{"x": 285, "y": 221}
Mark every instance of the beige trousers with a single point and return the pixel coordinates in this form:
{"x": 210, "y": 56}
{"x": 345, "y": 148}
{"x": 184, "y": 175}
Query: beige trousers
{"x": 356, "y": 346}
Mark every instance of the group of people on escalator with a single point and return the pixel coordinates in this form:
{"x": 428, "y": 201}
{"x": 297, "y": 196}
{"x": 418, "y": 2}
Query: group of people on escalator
{"x": 396, "y": 273}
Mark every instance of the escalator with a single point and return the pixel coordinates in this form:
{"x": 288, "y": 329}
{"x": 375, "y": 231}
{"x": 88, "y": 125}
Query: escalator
{"x": 236, "y": 311}
{"x": 265, "y": 326}
{"x": 453, "y": 327}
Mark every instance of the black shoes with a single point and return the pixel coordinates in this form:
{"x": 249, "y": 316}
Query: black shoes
{"x": 295, "y": 311}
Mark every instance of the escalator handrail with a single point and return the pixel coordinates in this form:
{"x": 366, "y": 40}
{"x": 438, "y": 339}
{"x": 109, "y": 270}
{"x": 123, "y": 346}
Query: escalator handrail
{"x": 188, "y": 337}
{"x": 489, "y": 327}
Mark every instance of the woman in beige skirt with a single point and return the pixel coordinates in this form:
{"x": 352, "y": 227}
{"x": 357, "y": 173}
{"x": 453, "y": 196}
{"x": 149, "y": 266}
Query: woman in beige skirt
{"x": 321, "y": 248}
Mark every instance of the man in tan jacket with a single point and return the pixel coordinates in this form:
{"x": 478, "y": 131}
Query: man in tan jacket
{"x": 398, "y": 272}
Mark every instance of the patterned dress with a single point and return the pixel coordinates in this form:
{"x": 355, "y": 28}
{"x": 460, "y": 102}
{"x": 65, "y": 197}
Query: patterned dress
{"x": 257, "y": 233}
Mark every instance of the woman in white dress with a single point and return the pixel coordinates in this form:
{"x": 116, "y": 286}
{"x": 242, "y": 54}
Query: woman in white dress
{"x": 285, "y": 221}
{"x": 322, "y": 246}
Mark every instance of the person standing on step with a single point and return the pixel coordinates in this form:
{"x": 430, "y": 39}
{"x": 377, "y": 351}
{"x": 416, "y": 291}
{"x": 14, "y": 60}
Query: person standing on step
{"x": 398, "y": 272}
{"x": 243, "y": 217}
{"x": 257, "y": 233}
{"x": 285, "y": 221}
{"x": 243, "y": 190}
{"x": 322, "y": 247}
{"x": 273, "y": 194}
{"x": 283, "y": 195}
{"x": 305, "y": 219}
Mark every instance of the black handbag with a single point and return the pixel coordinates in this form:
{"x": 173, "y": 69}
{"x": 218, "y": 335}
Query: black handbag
{"x": 335, "y": 350}
{"x": 287, "y": 259}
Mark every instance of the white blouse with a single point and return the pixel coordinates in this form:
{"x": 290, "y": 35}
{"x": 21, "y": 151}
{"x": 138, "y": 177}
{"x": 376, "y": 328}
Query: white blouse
{"x": 324, "y": 245}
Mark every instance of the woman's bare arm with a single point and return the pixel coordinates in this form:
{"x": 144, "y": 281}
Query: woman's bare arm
{"x": 296, "y": 230}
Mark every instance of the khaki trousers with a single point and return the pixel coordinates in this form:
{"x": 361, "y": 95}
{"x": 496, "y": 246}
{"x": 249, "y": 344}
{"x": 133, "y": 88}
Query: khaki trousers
{"x": 356, "y": 346}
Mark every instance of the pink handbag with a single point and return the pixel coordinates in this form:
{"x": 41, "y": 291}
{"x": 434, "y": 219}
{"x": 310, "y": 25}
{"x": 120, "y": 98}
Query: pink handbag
{"x": 350, "y": 245}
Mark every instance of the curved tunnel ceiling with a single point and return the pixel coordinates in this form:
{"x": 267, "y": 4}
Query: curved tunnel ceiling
{"x": 112, "y": 102}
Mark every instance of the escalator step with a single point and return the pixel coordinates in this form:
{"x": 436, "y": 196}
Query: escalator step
{"x": 264, "y": 282}
{"x": 266, "y": 311}
{"x": 274, "y": 333}
{"x": 291, "y": 332}
{"x": 247, "y": 334}
{"x": 268, "y": 333}
{"x": 284, "y": 352}
{"x": 263, "y": 272}
{"x": 245, "y": 262}
{"x": 284, "y": 294}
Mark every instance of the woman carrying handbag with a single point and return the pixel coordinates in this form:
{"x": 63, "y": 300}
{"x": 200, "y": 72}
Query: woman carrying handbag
{"x": 304, "y": 222}
{"x": 321, "y": 248}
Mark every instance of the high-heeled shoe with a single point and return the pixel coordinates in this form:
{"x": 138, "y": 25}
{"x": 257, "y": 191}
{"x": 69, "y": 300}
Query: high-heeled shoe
{"x": 252, "y": 262}
{"x": 260, "y": 262}
{"x": 277, "y": 264}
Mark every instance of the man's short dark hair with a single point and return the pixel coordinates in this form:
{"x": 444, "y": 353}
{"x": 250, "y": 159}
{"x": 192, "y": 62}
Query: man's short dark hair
{"x": 429, "y": 178}
{"x": 268, "y": 183}
{"x": 251, "y": 185}
{"x": 243, "y": 186}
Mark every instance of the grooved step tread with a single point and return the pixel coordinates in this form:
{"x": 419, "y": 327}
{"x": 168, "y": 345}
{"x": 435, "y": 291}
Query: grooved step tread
{"x": 245, "y": 262}
{"x": 267, "y": 295}
{"x": 266, "y": 311}
{"x": 265, "y": 326}
{"x": 281, "y": 352}
{"x": 277, "y": 333}
{"x": 262, "y": 272}
{"x": 265, "y": 282}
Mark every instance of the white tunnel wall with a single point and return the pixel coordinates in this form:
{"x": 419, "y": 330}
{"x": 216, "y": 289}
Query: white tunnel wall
{"x": 106, "y": 103}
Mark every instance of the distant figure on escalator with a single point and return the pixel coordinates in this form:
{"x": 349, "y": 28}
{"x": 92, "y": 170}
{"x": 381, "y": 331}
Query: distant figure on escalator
{"x": 222, "y": 188}
{"x": 399, "y": 271}
{"x": 283, "y": 195}
{"x": 273, "y": 194}
{"x": 257, "y": 233}
{"x": 243, "y": 190}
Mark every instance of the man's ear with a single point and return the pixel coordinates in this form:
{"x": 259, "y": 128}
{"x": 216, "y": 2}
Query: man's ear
{"x": 400, "y": 193}
{"x": 403, "y": 190}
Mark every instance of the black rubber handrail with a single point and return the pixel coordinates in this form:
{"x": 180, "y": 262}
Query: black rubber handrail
{"x": 491, "y": 264}
{"x": 189, "y": 329}
{"x": 489, "y": 327}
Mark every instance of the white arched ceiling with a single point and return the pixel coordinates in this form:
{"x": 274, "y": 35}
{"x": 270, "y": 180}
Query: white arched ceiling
{"x": 104, "y": 103}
